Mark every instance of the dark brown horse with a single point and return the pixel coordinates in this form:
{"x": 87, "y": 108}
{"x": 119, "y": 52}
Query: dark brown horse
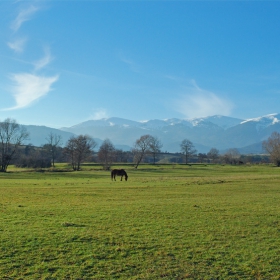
{"x": 118, "y": 172}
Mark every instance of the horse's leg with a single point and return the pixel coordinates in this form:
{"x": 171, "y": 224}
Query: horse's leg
{"x": 115, "y": 177}
{"x": 121, "y": 177}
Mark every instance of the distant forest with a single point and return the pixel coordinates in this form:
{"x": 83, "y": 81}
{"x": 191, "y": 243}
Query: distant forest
{"x": 41, "y": 157}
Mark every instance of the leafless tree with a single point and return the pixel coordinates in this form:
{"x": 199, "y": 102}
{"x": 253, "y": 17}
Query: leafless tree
{"x": 142, "y": 146}
{"x": 213, "y": 154}
{"x": 231, "y": 156}
{"x": 53, "y": 143}
{"x": 187, "y": 149}
{"x": 79, "y": 149}
{"x": 106, "y": 153}
{"x": 272, "y": 146}
{"x": 37, "y": 158}
{"x": 201, "y": 157}
{"x": 12, "y": 136}
{"x": 155, "y": 146}
{"x": 121, "y": 156}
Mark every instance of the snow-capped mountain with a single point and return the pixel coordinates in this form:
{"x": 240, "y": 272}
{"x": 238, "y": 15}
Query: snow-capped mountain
{"x": 264, "y": 122}
{"x": 105, "y": 122}
{"x": 222, "y": 121}
{"x": 219, "y": 132}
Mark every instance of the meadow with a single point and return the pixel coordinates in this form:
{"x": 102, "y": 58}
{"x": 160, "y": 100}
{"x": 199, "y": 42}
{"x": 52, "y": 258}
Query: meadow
{"x": 165, "y": 222}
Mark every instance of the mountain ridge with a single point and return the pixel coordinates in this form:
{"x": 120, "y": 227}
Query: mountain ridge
{"x": 221, "y": 132}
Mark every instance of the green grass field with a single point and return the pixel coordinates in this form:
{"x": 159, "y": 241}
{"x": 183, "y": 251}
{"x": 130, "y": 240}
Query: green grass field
{"x": 165, "y": 222}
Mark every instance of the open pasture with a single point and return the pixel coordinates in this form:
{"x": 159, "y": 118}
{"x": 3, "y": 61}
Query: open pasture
{"x": 165, "y": 222}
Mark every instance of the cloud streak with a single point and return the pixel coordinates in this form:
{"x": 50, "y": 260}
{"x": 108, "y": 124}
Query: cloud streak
{"x": 41, "y": 63}
{"x": 23, "y": 16}
{"x": 197, "y": 102}
{"x": 17, "y": 45}
{"x": 28, "y": 88}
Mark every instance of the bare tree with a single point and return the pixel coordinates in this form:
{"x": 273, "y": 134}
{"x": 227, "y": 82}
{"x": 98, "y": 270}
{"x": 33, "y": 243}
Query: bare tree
{"x": 141, "y": 148}
{"x": 121, "y": 156}
{"x": 12, "y": 136}
{"x": 231, "y": 156}
{"x": 37, "y": 158}
{"x": 106, "y": 153}
{"x": 155, "y": 146}
{"x": 70, "y": 151}
{"x": 29, "y": 148}
{"x": 53, "y": 143}
{"x": 272, "y": 146}
{"x": 213, "y": 154}
{"x": 187, "y": 149}
{"x": 78, "y": 149}
{"x": 201, "y": 157}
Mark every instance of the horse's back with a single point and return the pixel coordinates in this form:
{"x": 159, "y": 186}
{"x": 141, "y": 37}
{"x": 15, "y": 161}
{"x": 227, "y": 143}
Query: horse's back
{"x": 118, "y": 171}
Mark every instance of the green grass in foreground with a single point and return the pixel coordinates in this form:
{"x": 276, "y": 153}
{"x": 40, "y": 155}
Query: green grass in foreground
{"x": 165, "y": 222}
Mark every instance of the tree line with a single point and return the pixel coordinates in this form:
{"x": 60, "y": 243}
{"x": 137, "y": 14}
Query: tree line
{"x": 81, "y": 148}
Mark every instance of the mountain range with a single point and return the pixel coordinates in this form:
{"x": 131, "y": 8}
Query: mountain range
{"x": 218, "y": 132}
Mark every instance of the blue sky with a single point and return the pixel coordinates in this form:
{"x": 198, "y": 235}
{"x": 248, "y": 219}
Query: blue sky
{"x": 65, "y": 62}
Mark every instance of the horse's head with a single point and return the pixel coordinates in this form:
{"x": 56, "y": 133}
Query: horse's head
{"x": 126, "y": 177}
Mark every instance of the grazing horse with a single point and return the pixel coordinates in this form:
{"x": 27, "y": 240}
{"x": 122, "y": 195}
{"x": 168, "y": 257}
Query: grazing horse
{"x": 118, "y": 172}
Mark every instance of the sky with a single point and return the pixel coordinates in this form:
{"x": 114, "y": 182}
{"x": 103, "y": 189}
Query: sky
{"x": 66, "y": 62}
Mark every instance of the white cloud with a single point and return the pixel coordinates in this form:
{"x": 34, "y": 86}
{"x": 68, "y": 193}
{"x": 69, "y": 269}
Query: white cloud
{"x": 17, "y": 45}
{"x": 41, "y": 63}
{"x": 98, "y": 114}
{"x": 29, "y": 88}
{"x": 197, "y": 102}
{"x": 23, "y": 15}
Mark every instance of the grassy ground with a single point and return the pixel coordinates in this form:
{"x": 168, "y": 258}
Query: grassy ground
{"x": 165, "y": 222}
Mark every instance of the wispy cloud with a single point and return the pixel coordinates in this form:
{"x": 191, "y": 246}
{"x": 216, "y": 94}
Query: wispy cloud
{"x": 28, "y": 88}
{"x": 197, "y": 102}
{"x": 44, "y": 61}
{"x": 23, "y": 16}
{"x": 98, "y": 114}
{"x": 17, "y": 45}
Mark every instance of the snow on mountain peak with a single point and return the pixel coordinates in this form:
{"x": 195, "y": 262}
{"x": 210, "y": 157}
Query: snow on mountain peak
{"x": 221, "y": 121}
{"x": 267, "y": 119}
{"x": 264, "y": 121}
